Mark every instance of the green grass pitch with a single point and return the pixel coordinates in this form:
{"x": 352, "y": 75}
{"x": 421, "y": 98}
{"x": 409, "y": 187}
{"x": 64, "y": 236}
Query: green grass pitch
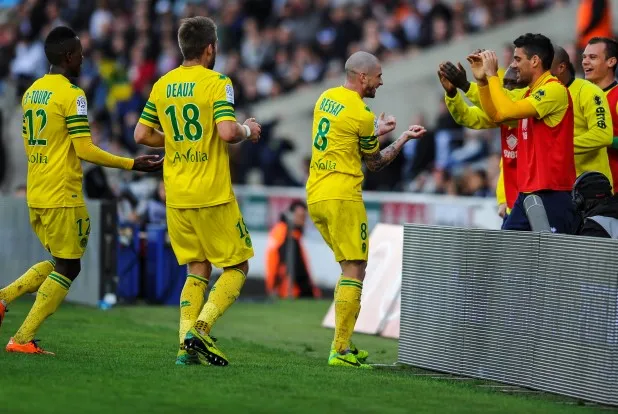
{"x": 122, "y": 361}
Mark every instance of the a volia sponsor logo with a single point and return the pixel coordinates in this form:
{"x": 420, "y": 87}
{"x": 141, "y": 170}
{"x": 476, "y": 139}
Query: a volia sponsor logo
{"x": 324, "y": 164}
{"x": 190, "y": 155}
{"x": 37, "y": 158}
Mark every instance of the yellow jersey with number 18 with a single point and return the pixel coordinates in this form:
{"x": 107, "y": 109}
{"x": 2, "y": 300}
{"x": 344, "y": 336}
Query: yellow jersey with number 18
{"x": 343, "y": 129}
{"x": 55, "y": 112}
{"x": 187, "y": 103}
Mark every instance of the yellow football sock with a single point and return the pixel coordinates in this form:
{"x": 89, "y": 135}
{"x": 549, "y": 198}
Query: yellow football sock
{"x": 347, "y": 308}
{"x": 191, "y": 302}
{"x": 29, "y": 282}
{"x": 223, "y": 294}
{"x": 49, "y": 297}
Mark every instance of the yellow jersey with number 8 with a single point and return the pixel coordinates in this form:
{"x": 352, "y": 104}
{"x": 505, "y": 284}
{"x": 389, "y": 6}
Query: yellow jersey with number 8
{"x": 343, "y": 129}
{"x": 186, "y": 104}
{"x": 55, "y": 112}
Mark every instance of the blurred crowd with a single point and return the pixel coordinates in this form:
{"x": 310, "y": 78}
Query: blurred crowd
{"x": 268, "y": 48}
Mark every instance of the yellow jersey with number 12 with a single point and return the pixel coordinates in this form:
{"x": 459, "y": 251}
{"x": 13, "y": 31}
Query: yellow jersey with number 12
{"x": 55, "y": 112}
{"x": 343, "y": 129}
{"x": 187, "y": 103}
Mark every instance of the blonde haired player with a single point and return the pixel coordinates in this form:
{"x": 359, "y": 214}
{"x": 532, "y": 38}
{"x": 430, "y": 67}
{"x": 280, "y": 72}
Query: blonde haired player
{"x": 56, "y": 137}
{"x": 345, "y": 132}
{"x": 194, "y": 106}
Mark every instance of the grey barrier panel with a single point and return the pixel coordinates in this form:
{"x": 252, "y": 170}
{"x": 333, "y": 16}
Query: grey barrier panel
{"x": 497, "y": 313}
{"x": 575, "y": 335}
{"x": 433, "y": 298}
{"x": 529, "y": 309}
{"x": 20, "y": 248}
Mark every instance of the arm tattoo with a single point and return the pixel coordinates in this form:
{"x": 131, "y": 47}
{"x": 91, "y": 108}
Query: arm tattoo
{"x": 380, "y": 159}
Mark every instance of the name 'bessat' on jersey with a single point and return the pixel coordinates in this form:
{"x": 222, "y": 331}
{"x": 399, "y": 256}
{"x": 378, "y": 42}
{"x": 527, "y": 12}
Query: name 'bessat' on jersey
{"x": 186, "y": 104}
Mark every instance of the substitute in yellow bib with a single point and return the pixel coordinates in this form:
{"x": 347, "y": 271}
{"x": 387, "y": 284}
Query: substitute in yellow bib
{"x": 193, "y": 106}
{"x": 56, "y": 138}
{"x": 344, "y": 133}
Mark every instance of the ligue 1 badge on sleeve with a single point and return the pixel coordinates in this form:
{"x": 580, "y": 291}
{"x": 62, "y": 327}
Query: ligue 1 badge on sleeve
{"x": 229, "y": 93}
{"x": 82, "y": 105}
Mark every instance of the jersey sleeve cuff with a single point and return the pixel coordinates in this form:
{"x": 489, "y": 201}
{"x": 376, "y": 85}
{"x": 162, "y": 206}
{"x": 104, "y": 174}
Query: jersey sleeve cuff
{"x": 81, "y": 135}
{"x": 148, "y": 123}
{"x": 225, "y": 118}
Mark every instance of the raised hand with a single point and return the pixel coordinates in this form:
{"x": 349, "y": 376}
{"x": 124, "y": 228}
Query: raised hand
{"x": 414, "y": 132}
{"x": 255, "y": 128}
{"x": 456, "y": 75}
{"x": 476, "y": 63}
{"x": 449, "y": 88}
{"x": 386, "y": 124}
{"x": 148, "y": 163}
{"x": 490, "y": 62}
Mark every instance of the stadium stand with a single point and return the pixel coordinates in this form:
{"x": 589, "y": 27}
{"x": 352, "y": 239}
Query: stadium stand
{"x": 268, "y": 48}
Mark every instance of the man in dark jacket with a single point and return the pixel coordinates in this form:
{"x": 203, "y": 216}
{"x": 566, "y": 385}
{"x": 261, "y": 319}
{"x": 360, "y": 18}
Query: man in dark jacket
{"x": 596, "y": 204}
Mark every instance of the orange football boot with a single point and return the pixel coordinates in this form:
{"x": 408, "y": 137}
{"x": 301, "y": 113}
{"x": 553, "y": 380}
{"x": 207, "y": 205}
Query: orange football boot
{"x": 29, "y": 348}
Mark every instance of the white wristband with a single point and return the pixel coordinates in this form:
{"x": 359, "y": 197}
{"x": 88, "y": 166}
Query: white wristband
{"x": 247, "y": 131}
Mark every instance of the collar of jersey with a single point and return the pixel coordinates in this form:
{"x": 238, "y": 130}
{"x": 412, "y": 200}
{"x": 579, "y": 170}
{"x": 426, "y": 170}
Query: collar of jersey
{"x": 540, "y": 81}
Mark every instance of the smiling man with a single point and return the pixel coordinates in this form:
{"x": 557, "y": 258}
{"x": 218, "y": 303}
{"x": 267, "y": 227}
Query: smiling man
{"x": 599, "y": 62}
{"x": 545, "y": 132}
{"x": 345, "y": 132}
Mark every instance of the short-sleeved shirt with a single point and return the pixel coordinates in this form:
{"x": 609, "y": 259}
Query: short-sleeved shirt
{"x": 344, "y": 128}
{"x": 54, "y": 113}
{"x": 187, "y": 103}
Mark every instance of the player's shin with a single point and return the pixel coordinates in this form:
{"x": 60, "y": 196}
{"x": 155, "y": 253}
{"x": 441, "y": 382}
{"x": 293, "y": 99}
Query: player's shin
{"x": 347, "y": 308}
{"x": 223, "y": 294}
{"x": 29, "y": 282}
{"x": 49, "y": 297}
{"x": 191, "y": 302}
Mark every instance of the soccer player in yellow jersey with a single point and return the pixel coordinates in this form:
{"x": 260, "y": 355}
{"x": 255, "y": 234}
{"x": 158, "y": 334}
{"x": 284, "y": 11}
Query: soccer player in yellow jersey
{"x": 345, "y": 132}
{"x": 593, "y": 120}
{"x": 56, "y": 137}
{"x": 194, "y": 107}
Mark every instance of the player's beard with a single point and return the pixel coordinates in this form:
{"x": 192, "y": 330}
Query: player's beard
{"x": 211, "y": 64}
{"x": 370, "y": 92}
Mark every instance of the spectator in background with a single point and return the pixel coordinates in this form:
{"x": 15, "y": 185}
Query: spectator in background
{"x": 279, "y": 254}
{"x": 418, "y": 155}
{"x": 267, "y": 47}
{"x": 153, "y": 211}
{"x": 20, "y": 191}
{"x": 597, "y": 207}
{"x": 594, "y": 19}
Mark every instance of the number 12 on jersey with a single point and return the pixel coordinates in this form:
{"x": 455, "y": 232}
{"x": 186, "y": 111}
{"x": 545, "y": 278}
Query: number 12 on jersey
{"x": 320, "y": 142}
{"x": 34, "y": 139}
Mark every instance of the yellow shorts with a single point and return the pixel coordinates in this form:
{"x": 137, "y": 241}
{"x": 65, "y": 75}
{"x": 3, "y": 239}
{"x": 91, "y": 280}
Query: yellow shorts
{"x": 343, "y": 225}
{"x": 216, "y": 234}
{"x": 63, "y": 231}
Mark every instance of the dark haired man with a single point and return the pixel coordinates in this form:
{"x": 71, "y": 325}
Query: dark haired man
{"x": 56, "y": 137}
{"x": 545, "y": 164}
